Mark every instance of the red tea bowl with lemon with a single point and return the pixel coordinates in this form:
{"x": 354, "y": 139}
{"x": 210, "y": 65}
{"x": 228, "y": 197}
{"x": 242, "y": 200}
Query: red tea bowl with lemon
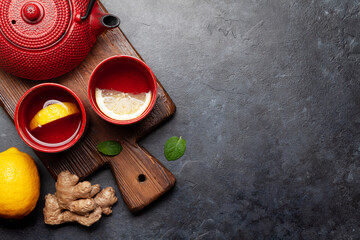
{"x": 50, "y": 118}
{"x": 122, "y": 90}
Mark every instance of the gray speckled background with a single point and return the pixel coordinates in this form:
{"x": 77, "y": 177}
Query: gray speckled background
{"x": 267, "y": 96}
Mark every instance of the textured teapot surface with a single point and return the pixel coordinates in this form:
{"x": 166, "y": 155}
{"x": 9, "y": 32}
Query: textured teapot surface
{"x": 41, "y": 39}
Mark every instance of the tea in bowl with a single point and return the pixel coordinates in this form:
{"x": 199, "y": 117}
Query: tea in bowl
{"x": 50, "y": 118}
{"x": 122, "y": 90}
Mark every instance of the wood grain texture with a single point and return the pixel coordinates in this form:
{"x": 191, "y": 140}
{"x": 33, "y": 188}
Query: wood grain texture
{"x": 83, "y": 159}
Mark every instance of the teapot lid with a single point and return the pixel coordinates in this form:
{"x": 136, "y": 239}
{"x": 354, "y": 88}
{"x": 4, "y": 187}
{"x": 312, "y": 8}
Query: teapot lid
{"x": 34, "y": 24}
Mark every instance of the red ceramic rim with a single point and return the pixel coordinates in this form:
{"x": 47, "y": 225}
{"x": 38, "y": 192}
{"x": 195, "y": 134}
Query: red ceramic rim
{"x": 51, "y": 149}
{"x": 130, "y": 121}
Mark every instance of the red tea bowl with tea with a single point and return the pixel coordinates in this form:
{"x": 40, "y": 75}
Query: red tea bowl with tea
{"x": 122, "y": 90}
{"x": 50, "y": 118}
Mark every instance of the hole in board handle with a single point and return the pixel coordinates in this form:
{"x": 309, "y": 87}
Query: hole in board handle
{"x": 141, "y": 178}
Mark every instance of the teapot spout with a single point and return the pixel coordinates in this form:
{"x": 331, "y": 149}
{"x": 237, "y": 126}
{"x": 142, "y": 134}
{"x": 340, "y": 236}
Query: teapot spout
{"x": 101, "y": 21}
{"x": 109, "y": 21}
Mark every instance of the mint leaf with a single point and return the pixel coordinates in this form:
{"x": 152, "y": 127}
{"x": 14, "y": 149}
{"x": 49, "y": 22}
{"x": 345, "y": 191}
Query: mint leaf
{"x": 174, "y": 148}
{"x": 109, "y": 148}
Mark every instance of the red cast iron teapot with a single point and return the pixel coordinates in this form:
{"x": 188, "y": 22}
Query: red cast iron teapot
{"x": 43, "y": 39}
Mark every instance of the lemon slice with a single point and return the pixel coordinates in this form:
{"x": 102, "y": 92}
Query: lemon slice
{"x": 53, "y": 112}
{"x": 122, "y": 106}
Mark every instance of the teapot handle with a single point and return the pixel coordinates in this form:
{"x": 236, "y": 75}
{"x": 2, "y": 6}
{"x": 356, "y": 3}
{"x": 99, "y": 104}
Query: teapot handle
{"x": 88, "y": 10}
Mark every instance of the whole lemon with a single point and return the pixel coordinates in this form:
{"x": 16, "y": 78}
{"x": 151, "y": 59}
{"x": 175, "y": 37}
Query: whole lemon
{"x": 19, "y": 184}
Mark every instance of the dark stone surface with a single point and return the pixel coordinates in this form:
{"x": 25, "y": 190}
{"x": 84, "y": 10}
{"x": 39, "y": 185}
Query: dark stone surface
{"x": 267, "y": 99}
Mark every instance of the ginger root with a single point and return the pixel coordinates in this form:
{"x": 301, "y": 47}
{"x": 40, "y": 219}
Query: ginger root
{"x": 77, "y": 202}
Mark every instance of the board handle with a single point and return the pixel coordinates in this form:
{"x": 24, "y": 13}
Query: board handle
{"x": 140, "y": 177}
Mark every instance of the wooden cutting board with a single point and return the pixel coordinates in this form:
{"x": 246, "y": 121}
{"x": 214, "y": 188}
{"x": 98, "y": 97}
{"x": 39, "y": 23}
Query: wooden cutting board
{"x": 140, "y": 177}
